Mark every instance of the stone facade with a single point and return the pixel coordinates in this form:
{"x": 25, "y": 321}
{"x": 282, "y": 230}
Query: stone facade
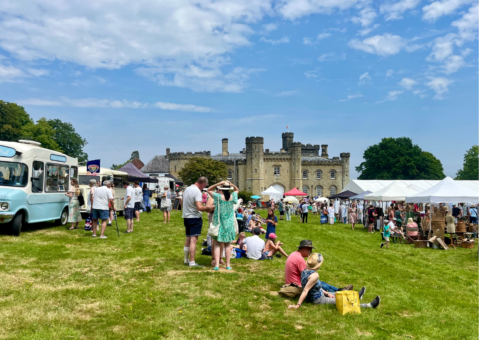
{"x": 295, "y": 165}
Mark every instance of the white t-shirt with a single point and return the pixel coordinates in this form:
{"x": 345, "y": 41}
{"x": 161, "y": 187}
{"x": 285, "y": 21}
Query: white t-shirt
{"x": 138, "y": 195}
{"x": 191, "y": 195}
{"x": 102, "y": 197}
{"x": 305, "y": 207}
{"x": 330, "y": 212}
{"x": 255, "y": 247}
{"x": 130, "y": 192}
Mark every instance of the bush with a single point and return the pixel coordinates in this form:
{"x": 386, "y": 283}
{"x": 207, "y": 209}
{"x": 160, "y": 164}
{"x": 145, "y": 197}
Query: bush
{"x": 245, "y": 195}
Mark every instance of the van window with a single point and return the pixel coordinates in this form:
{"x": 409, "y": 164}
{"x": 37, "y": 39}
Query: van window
{"x": 13, "y": 174}
{"x": 85, "y": 179}
{"x": 57, "y": 178}
{"x": 38, "y": 176}
{"x": 74, "y": 172}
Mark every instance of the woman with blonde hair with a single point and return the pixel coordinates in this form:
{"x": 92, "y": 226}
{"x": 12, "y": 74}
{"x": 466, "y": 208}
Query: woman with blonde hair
{"x": 166, "y": 203}
{"x": 74, "y": 215}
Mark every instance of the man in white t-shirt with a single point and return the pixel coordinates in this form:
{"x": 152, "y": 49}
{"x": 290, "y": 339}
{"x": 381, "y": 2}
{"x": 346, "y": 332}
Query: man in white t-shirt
{"x": 255, "y": 246}
{"x": 304, "y": 210}
{"x": 138, "y": 199}
{"x": 129, "y": 210}
{"x": 192, "y": 218}
{"x": 331, "y": 213}
{"x": 101, "y": 208}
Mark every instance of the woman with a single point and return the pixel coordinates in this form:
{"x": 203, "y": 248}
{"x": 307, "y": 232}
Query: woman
{"x": 371, "y": 218}
{"x": 353, "y": 215}
{"x": 166, "y": 204}
{"x": 89, "y": 202}
{"x": 287, "y": 211}
{"x": 314, "y": 208}
{"x": 272, "y": 222}
{"x": 411, "y": 228}
{"x": 204, "y": 197}
{"x": 111, "y": 186}
{"x": 74, "y": 215}
{"x": 224, "y": 217}
{"x": 398, "y": 215}
{"x": 146, "y": 198}
{"x": 273, "y": 246}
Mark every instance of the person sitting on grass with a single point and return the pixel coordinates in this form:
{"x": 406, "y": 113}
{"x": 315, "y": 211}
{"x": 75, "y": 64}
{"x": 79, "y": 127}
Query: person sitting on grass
{"x": 240, "y": 241}
{"x": 312, "y": 287}
{"x": 255, "y": 246}
{"x": 273, "y": 246}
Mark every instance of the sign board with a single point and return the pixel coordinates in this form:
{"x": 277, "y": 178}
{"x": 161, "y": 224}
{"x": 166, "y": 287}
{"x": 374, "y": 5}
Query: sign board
{"x": 5, "y": 151}
{"x": 58, "y": 158}
{"x": 93, "y": 167}
{"x": 177, "y": 204}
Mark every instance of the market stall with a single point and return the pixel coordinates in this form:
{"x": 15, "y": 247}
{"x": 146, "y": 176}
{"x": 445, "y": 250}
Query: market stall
{"x": 136, "y": 175}
{"x": 273, "y": 194}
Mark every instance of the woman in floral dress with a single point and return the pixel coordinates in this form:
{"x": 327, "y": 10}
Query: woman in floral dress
{"x": 353, "y": 215}
{"x": 224, "y": 217}
{"x": 74, "y": 215}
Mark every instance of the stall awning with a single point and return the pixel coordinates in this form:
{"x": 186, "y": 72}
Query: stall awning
{"x": 136, "y": 175}
{"x": 343, "y": 195}
{"x": 295, "y": 192}
{"x": 446, "y": 191}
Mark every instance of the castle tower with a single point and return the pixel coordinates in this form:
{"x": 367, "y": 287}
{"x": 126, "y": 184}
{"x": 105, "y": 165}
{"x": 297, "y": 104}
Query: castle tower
{"x": 296, "y": 169}
{"x": 224, "y": 144}
{"x": 254, "y": 164}
{"x": 324, "y": 150}
{"x": 287, "y": 140}
{"x": 345, "y": 167}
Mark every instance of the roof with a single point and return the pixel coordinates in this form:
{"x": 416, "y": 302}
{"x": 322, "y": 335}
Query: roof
{"x": 295, "y": 192}
{"x": 230, "y": 157}
{"x": 158, "y": 164}
{"x": 315, "y": 159}
{"x": 138, "y": 163}
{"x": 177, "y": 181}
{"x": 445, "y": 191}
{"x": 344, "y": 194}
{"x": 373, "y": 185}
{"x": 396, "y": 191}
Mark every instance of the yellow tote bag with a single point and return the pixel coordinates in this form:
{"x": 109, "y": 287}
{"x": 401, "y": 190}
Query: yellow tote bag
{"x": 347, "y": 301}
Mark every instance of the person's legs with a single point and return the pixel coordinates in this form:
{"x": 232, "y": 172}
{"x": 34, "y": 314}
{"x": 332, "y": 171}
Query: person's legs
{"x": 94, "y": 224}
{"x": 323, "y": 300}
{"x": 328, "y": 287}
{"x": 216, "y": 253}
{"x": 193, "y": 241}
{"x": 306, "y": 218}
{"x": 168, "y": 215}
{"x": 227, "y": 247}
{"x": 103, "y": 227}
{"x": 282, "y": 252}
{"x": 164, "y": 216}
{"x": 186, "y": 249}
{"x": 137, "y": 214}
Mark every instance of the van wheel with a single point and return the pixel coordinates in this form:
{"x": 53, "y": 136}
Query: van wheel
{"x": 17, "y": 224}
{"x": 63, "y": 217}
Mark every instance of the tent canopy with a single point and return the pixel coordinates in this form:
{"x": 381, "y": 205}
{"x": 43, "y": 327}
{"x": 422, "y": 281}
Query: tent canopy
{"x": 361, "y": 185}
{"x": 446, "y": 191}
{"x": 360, "y": 196}
{"x": 343, "y": 195}
{"x": 321, "y": 199}
{"x": 396, "y": 191}
{"x": 295, "y": 192}
{"x": 136, "y": 175}
{"x": 291, "y": 199}
{"x": 273, "y": 193}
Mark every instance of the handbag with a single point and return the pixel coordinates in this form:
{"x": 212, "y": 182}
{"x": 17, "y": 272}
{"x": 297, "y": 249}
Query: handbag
{"x": 166, "y": 204}
{"x": 347, "y": 302}
{"x": 81, "y": 199}
{"x": 214, "y": 229}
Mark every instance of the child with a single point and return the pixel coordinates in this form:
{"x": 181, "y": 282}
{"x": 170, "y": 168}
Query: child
{"x": 240, "y": 242}
{"x": 272, "y": 247}
{"x": 387, "y": 233}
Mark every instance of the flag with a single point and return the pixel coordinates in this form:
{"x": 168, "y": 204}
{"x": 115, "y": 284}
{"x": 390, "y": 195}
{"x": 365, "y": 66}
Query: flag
{"x": 287, "y": 127}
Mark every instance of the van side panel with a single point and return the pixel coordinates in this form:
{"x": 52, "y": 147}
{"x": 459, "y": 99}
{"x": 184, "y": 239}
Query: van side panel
{"x": 46, "y": 207}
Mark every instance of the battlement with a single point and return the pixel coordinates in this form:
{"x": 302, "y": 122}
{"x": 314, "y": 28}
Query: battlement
{"x": 296, "y": 145}
{"x": 287, "y": 134}
{"x": 345, "y": 154}
{"x": 189, "y": 154}
{"x": 254, "y": 140}
{"x": 309, "y": 149}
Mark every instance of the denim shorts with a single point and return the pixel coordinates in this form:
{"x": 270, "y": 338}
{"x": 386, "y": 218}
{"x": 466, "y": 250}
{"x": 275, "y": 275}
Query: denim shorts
{"x": 100, "y": 214}
{"x": 129, "y": 213}
{"x": 193, "y": 226}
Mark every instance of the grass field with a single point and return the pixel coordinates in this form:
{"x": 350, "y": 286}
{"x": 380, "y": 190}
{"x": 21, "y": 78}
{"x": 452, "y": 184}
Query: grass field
{"x": 61, "y": 284}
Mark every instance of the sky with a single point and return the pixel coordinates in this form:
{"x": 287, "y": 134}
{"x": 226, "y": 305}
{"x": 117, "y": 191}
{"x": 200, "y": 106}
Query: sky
{"x": 150, "y": 75}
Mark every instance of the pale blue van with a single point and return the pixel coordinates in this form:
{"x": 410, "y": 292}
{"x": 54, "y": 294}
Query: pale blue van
{"x": 33, "y": 183}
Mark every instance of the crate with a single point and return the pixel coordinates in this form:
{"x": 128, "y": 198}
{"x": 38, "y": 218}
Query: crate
{"x": 420, "y": 244}
{"x": 467, "y": 245}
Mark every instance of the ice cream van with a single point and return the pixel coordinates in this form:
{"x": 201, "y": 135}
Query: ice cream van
{"x": 33, "y": 183}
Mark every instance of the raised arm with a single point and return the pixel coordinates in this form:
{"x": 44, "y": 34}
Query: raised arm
{"x": 211, "y": 189}
{"x": 313, "y": 278}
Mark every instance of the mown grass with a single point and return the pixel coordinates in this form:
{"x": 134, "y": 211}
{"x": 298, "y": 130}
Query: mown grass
{"x": 61, "y": 284}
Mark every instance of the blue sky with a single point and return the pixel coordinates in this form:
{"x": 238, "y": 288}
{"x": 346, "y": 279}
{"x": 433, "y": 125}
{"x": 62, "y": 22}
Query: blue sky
{"x": 147, "y": 75}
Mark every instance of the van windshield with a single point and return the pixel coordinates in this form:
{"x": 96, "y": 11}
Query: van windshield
{"x": 13, "y": 174}
{"x": 85, "y": 179}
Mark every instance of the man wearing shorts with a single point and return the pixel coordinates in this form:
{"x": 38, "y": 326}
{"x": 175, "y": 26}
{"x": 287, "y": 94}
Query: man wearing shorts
{"x": 192, "y": 218}
{"x": 129, "y": 211}
{"x": 138, "y": 199}
{"x": 101, "y": 208}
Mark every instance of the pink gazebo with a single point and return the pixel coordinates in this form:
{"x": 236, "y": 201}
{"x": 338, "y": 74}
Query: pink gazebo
{"x": 295, "y": 192}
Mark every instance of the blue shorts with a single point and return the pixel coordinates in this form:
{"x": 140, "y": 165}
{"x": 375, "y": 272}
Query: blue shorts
{"x": 129, "y": 213}
{"x": 193, "y": 226}
{"x": 100, "y": 214}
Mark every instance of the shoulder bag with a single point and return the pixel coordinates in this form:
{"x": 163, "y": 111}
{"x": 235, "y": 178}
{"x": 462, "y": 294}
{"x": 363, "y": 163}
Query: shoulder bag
{"x": 81, "y": 199}
{"x": 214, "y": 229}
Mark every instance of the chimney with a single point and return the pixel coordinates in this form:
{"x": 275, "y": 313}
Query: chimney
{"x": 167, "y": 151}
{"x": 324, "y": 150}
{"x": 224, "y": 143}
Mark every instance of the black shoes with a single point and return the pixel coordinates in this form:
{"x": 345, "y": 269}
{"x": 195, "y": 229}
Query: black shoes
{"x": 361, "y": 292}
{"x": 375, "y": 303}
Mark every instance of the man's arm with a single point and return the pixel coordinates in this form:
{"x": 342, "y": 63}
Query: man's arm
{"x": 112, "y": 203}
{"x": 128, "y": 200}
{"x": 200, "y": 207}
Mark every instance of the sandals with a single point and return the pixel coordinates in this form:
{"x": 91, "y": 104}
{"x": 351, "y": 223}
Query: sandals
{"x": 73, "y": 228}
{"x": 216, "y": 268}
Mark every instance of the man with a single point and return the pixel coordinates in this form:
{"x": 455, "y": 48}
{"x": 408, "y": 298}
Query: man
{"x": 129, "y": 206}
{"x": 138, "y": 199}
{"x": 473, "y": 214}
{"x": 100, "y": 208}
{"x": 304, "y": 209}
{"x": 331, "y": 213}
{"x": 255, "y": 246}
{"x": 192, "y": 218}
{"x": 281, "y": 209}
{"x": 295, "y": 264}
{"x": 456, "y": 212}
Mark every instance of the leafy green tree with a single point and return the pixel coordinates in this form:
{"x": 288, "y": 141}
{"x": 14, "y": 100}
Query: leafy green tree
{"x": 41, "y": 132}
{"x": 470, "y": 170}
{"x": 245, "y": 195}
{"x": 196, "y": 167}
{"x": 68, "y": 139}
{"x": 12, "y": 120}
{"x": 399, "y": 158}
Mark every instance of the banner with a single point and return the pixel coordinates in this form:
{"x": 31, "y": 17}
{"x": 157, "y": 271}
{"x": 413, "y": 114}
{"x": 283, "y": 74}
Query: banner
{"x": 93, "y": 167}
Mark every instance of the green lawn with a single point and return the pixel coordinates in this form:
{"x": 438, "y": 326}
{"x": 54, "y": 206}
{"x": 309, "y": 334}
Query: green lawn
{"x": 61, "y": 284}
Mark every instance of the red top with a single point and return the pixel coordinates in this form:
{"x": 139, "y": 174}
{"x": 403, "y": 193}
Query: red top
{"x": 295, "y": 264}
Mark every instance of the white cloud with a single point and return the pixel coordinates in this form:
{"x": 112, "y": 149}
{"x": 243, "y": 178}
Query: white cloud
{"x": 322, "y": 36}
{"x": 10, "y": 74}
{"x": 363, "y": 78}
{"x": 351, "y": 96}
{"x": 389, "y": 73}
{"x": 392, "y": 95}
{"x": 467, "y": 25}
{"x": 394, "y": 11}
{"x": 293, "y": 9}
{"x": 419, "y": 93}
{"x": 310, "y": 41}
{"x": 287, "y": 93}
{"x": 270, "y": 27}
{"x": 453, "y": 64}
{"x": 407, "y": 83}
{"x": 368, "y": 30}
{"x": 37, "y": 72}
{"x": 331, "y": 57}
{"x": 383, "y": 45}
{"x": 312, "y": 73}
{"x": 366, "y": 17}
{"x": 466, "y": 52}
{"x": 442, "y": 48}
{"x": 40, "y": 102}
{"x": 440, "y": 85}
{"x": 283, "y": 40}
{"x": 181, "y": 107}
{"x": 444, "y": 7}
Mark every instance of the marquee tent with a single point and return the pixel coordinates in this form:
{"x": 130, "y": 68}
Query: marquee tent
{"x": 273, "y": 193}
{"x": 295, "y": 192}
{"x": 344, "y": 194}
{"x": 291, "y": 199}
{"x": 446, "y": 191}
{"x": 321, "y": 199}
{"x": 396, "y": 191}
{"x": 360, "y": 196}
{"x": 136, "y": 175}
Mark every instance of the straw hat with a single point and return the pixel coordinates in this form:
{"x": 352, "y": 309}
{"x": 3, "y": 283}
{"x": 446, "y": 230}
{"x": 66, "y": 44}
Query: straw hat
{"x": 314, "y": 261}
{"x": 226, "y": 187}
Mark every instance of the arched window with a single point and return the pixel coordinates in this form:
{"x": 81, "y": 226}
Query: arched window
{"x": 319, "y": 191}
{"x": 255, "y": 171}
{"x": 332, "y": 190}
{"x": 305, "y": 174}
{"x": 305, "y": 189}
{"x": 333, "y": 174}
{"x": 319, "y": 173}
{"x": 230, "y": 174}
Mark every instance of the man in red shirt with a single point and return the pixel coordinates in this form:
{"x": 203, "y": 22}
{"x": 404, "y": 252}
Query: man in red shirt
{"x": 295, "y": 264}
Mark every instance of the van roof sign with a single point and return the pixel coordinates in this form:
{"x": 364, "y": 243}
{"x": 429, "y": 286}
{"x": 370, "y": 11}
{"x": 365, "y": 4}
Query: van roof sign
{"x": 58, "y": 158}
{"x": 5, "y": 151}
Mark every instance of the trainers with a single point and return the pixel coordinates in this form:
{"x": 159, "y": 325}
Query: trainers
{"x": 196, "y": 265}
{"x": 94, "y": 235}
{"x": 278, "y": 256}
{"x": 103, "y": 237}
{"x": 361, "y": 292}
{"x": 375, "y": 303}
{"x": 382, "y": 245}
{"x": 350, "y": 287}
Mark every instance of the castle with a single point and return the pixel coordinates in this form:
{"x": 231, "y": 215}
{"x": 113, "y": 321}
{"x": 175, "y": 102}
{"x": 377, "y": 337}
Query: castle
{"x": 296, "y": 165}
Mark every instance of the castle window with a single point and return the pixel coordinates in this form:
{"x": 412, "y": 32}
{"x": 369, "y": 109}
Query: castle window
{"x": 332, "y": 190}
{"x": 276, "y": 170}
{"x": 319, "y": 191}
{"x": 255, "y": 171}
{"x": 305, "y": 174}
{"x": 305, "y": 189}
{"x": 319, "y": 173}
{"x": 333, "y": 174}
{"x": 230, "y": 174}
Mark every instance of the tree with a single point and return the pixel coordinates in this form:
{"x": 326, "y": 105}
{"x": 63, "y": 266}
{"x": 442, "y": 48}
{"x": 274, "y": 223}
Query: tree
{"x": 41, "y": 132}
{"x": 398, "y": 158}
{"x": 196, "y": 167}
{"x": 469, "y": 169}
{"x": 245, "y": 195}
{"x": 12, "y": 120}
{"x": 68, "y": 139}
{"x": 134, "y": 154}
